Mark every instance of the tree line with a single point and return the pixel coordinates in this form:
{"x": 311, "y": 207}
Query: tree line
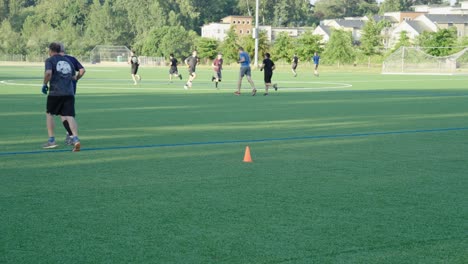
{"x": 159, "y": 27}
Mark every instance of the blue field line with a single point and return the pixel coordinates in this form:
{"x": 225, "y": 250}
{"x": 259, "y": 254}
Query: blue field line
{"x": 434, "y": 130}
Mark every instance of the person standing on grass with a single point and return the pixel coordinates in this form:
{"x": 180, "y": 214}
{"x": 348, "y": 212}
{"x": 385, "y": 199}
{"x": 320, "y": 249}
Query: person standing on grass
{"x": 268, "y": 66}
{"x": 135, "y": 63}
{"x": 191, "y": 63}
{"x": 316, "y": 59}
{"x": 295, "y": 61}
{"x": 173, "y": 70}
{"x": 79, "y": 72}
{"x": 58, "y": 84}
{"x": 244, "y": 60}
{"x": 217, "y": 67}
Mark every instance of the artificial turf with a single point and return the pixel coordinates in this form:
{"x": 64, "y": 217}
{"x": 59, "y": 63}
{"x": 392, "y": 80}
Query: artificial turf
{"x": 348, "y": 167}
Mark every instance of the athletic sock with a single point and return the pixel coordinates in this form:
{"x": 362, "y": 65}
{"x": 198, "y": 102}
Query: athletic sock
{"x": 67, "y": 127}
{"x": 51, "y": 139}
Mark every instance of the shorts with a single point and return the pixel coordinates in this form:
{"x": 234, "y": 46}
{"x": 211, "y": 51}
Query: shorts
{"x": 268, "y": 76}
{"x": 191, "y": 71}
{"x": 63, "y": 105}
{"x": 316, "y": 66}
{"x": 218, "y": 75}
{"x": 173, "y": 70}
{"x": 294, "y": 66}
{"x": 245, "y": 70}
{"x": 134, "y": 69}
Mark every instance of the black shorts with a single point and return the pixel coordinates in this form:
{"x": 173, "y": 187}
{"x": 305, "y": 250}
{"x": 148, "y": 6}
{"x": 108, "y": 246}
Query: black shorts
{"x": 134, "y": 69}
{"x": 268, "y": 76}
{"x": 173, "y": 70}
{"x": 191, "y": 71}
{"x": 294, "y": 66}
{"x": 63, "y": 105}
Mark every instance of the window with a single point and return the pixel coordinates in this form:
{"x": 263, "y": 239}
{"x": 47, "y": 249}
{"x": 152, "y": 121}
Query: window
{"x": 240, "y": 31}
{"x": 248, "y": 31}
{"x": 233, "y": 21}
{"x": 238, "y": 21}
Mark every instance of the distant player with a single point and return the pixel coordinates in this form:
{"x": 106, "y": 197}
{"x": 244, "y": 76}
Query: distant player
{"x": 173, "y": 70}
{"x": 191, "y": 63}
{"x": 217, "y": 67}
{"x": 135, "y": 63}
{"x": 244, "y": 60}
{"x": 79, "y": 72}
{"x": 268, "y": 66}
{"x": 316, "y": 59}
{"x": 295, "y": 61}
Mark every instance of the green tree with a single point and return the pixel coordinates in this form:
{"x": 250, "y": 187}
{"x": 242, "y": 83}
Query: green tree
{"x": 229, "y": 46}
{"x": 207, "y": 48}
{"x": 10, "y": 41}
{"x": 344, "y": 8}
{"x": 403, "y": 41}
{"x": 371, "y": 40}
{"x": 282, "y": 47}
{"x": 339, "y": 48}
{"x": 107, "y": 25}
{"x": 440, "y": 43}
{"x": 390, "y": 6}
{"x": 307, "y": 44}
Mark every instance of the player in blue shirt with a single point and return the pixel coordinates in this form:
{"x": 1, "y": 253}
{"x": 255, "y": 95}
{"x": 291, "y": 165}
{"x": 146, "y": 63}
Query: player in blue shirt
{"x": 244, "y": 60}
{"x": 316, "y": 59}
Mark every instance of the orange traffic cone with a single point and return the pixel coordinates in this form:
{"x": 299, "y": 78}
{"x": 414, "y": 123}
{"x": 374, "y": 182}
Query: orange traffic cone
{"x": 247, "y": 157}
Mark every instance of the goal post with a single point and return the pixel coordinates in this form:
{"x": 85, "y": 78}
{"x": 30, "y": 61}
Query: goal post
{"x": 413, "y": 60}
{"x": 109, "y": 54}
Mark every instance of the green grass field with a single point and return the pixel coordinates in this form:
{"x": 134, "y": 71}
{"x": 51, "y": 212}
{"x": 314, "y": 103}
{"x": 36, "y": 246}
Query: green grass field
{"x": 347, "y": 168}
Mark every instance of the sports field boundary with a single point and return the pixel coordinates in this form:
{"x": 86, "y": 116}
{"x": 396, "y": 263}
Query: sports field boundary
{"x": 364, "y": 134}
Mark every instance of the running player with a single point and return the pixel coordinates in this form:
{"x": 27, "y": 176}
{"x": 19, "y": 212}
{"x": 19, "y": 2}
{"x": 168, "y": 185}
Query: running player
{"x": 316, "y": 59}
{"x": 269, "y": 66}
{"x": 135, "y": 63}
{"x": 173, "y": 70}
{"x": 295, "y": 60}
{"x": 217, "y": 67}
{"x": 244, "y": 60}
{"x": 191, "y": 63}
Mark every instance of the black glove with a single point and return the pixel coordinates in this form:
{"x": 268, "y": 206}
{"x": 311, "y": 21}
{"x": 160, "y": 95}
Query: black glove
{"x": 45, "y": 88}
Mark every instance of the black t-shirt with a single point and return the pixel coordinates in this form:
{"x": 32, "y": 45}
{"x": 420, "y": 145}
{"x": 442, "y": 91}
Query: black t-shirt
{"x": 295, "y": 59}
{"x": 173, "y": 62}
{"x": 268, "y": 65}
{"x": 134, "y": 61}
{"x": 63, "y": 71}
{"x": 192, "y": 62}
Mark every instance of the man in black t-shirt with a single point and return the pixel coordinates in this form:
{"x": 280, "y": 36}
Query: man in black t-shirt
{"x": 59, "y": 74}
{"x": 268, "y": 66}
{"x": 135, "y": 63}
{"x": 191, "y": 63}
{"x": 173, "y": 70}
{"x": 295, "y": 61}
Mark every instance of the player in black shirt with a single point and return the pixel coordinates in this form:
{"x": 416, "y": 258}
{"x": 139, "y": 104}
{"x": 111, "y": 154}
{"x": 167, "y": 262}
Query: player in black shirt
{"x": 173, "y": 70}
{"x": 135, "y": 63}
{"x": 295, "y": 61}
{"x": 268, "y": 66}
{"x": 191, "y": 63}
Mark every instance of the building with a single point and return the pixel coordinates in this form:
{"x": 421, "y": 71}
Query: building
{"x": 242, "y": 26}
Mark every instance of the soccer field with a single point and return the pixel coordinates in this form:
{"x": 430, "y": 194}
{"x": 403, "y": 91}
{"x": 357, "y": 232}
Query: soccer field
{"x": 347, "y": 168}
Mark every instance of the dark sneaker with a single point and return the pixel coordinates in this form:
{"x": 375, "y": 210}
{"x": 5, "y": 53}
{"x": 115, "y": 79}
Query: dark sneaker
{"x": 49, "y": 145}
{"x": 213, "y": 78}
{"x": 275, "y": 86}
{"x": 265, "y": 94}
{"x": 254, "y": 92}
{"x": 180, "y": 76}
